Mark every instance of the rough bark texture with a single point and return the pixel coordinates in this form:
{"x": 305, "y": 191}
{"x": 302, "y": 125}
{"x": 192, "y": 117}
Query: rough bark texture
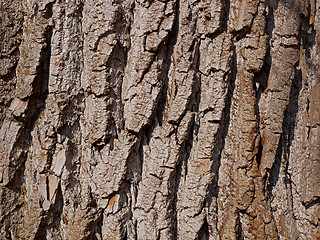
{"x": 176, "y": 119}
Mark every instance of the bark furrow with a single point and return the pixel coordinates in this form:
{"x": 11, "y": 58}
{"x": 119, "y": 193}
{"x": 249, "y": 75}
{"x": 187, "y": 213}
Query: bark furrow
{"x": 175, "y": 119}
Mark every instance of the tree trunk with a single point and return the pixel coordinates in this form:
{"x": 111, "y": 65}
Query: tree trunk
{"x": 175, "y": 119}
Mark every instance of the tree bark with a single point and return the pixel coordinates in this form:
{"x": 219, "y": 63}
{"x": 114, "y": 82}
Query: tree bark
{"x": 174, "y": 119}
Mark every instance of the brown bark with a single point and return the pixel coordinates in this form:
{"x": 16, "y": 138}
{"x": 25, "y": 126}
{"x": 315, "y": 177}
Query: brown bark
{"x": 175, "y": 119}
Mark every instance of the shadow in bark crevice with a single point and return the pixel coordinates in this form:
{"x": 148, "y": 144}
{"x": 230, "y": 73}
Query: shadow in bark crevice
{"x": 204, "y": 231}
{"x": 239, "y": 230}
{"x": 181, "y": 170}
{"x": 220, "y": 136}
{"x": 287, "y": 135}
{"x": 282, "y": 158}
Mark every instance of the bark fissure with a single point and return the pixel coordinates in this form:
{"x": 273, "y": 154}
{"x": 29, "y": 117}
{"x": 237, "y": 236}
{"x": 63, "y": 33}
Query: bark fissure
{"x": 159, "y": 120}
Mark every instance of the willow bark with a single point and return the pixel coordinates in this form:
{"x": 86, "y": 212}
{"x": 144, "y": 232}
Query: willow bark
{"x": 175, "y": 119}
